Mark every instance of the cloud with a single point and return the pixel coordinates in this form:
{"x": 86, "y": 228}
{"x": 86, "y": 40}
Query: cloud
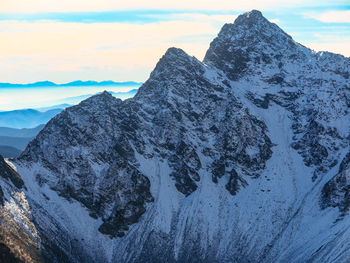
{"x": 222, "y": 18}
{"x": 131, "y": 16}
{"x": 337, "y": 43}
{"x": 276, "y": 21}
{"x": 34, "y": 6}
{"x": 67, "y": 51}
{"x": 338, "y": 48}
{"x": 331, "y": 16}
{"x": 113, "y": 45}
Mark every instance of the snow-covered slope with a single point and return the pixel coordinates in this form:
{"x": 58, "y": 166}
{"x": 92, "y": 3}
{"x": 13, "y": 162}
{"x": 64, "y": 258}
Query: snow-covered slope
{"x": 19, "y": 238}
{"x": 241, "y": 158}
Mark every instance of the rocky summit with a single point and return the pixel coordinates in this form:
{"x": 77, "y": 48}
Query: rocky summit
{"x": 243, "y": 157}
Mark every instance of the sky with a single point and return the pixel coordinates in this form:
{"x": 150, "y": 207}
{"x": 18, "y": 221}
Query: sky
{"x": 67, "y": 40}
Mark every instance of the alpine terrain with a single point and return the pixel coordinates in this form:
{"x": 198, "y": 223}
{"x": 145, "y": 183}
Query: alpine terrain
{"x": 241, "y": 157}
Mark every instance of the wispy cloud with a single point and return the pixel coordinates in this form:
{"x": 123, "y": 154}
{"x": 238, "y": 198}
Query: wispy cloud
{"x": 335, "y": 47}
{"x": 134, "y": 16}
{"x": 196, "y": 16}
{"x": 64, "y": 40}
{"x": 34, "y": 6}
{"x": 339, "y": 16}
{"x": 56, "y": 51}
{"x": 337, "y": 42}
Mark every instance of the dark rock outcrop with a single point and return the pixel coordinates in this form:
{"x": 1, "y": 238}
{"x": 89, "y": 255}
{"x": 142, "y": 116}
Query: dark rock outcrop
{"x": 209, "y": 162}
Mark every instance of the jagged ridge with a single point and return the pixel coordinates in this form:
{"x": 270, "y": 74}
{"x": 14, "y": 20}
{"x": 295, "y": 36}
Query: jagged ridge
{"x": 209, "y": 162}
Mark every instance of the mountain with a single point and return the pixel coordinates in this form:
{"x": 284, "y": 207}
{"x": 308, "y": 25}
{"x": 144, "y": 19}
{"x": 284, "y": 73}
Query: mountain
{"x": 102, "y": 83}
{"x": 13, "y": 141}
{"x": 16, "y": 244}
{"x": 27, "y": 118}
{"x": 9, "y": 152}
{"x": 29, "y": 85}
{"x": 243, "y": 157}
{"x": 75, "y": 100}
{"x": 77, "y": 83}
{"x": 53, "y": 107}
{"x": 124, "y": 95}
{"x": 22, "y": 133}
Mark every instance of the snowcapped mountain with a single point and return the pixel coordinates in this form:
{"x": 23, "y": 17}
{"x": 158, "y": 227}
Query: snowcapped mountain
{"x": 243, "y": 157}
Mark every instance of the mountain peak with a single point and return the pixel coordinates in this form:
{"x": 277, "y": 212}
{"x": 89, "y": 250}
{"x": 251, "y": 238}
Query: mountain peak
{"x": 253, "y": 13}
{"x": 174, "y": 55}
{"x": 250, "y": 17}
{"x": 102, "y": 96}
{"x": 172, "y": 60}
{"x": 100, "y": 100}
{"x": 106, "y": 93}
{"x": 175, "y": 63}
{"x": 253, "y": 23}
{"x": 175, "y": 51}
{"x": 250, "y": 40}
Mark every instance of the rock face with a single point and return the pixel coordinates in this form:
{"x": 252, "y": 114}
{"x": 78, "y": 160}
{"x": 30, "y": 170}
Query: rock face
{"x": 93, "y": 161}
{"x": 19, "y": 241}
{"x": 336, "y": 192}
{"x": 9, "y": 173}
{"x": 250, "y": 44}
{"x": 233, "y": 159}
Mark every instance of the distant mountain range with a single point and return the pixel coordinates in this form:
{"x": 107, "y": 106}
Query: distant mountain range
{"x": 66, "y": 102}
{"x": 30, "y": 118}
{"x": 9, "y": 152}
{"x": 13, "y": 141}
{"x": 27, "y": 118}
{"x": 19, "y": 127}
{"x": 58, "y": 106}
{"x": 21, "y": 133}
{"x": 78, "y": 83}
{"x": 16, "y": 142}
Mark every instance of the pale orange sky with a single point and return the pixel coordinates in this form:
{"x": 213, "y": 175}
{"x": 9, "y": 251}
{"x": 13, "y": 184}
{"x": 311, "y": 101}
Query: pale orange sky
{"x": 62, "y": 51}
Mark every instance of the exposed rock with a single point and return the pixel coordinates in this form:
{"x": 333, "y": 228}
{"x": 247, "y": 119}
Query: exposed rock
{"x": 220, "y": 161}
{"x": 7, "y": 172}
{"x": 18, "y": 237}
{"x": 336, "y": 192}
